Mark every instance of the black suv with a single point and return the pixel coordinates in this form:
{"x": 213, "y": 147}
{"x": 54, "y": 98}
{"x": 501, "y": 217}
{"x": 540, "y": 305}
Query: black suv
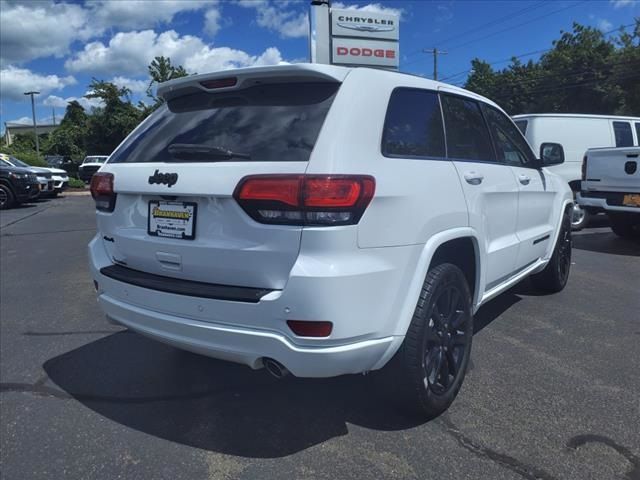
{"x": 17, "y": 185}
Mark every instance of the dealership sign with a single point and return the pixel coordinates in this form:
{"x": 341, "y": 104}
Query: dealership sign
{"x": 353, "y": 37}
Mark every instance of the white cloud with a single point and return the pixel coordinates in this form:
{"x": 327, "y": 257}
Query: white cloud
{"x": 22, "y": 121}
{"x": 139, "y": 14}
{"x": 36, "y": 30}
{"x": 212, "y": 20}
{"x": 623, "y": 3}
{"x": 371, "y": 7}
{"x": 224, "y": 58}
{"x": 130, "y": 53}
{"x": 15, "y": 81}
{"x": 59, "y": 102}
{"x": 605, "y": 25}
{"x": 136, "y": 86}
{"x": 276, "y": 17}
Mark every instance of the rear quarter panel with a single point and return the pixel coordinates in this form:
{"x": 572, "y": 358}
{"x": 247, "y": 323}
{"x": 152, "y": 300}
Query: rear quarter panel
{"x": 414, "y": 198}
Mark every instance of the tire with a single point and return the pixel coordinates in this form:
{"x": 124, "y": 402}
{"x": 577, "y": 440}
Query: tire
{"x": 623, "y": 225}
{"x": 7, "y": 198}
{"x": 555, "y": 275}
{"x": 580, "y": 217}
{"x": 438, "y": 341}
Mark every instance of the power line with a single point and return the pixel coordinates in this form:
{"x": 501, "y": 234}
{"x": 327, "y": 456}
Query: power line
{"x": 496, "y": 21}
{"x": 617, "y": 29}
{"x": 485, "y": 25}
{"x": 455, "y": 47}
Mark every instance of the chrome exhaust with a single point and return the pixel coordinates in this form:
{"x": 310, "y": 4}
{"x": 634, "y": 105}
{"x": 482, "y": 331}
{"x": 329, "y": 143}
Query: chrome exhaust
{"x": 275, "y": 368}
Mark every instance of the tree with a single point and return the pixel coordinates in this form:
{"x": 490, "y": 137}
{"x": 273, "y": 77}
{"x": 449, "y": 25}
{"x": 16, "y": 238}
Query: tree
{"x": 583, "y": 72}
{"x": 161, "y": 70}
{"x": 110, "y": 124}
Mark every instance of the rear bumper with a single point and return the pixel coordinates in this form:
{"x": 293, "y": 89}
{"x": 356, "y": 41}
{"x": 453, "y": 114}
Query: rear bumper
{"x": 363, "y": 306}
{"x": 605, "y": 202}
{"x": 247, "y": 346}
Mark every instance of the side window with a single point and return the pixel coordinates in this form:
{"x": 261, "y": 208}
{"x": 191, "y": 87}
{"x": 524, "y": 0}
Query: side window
{"x": 467, "y": 133}
{"x": 511, "y": 147}
{"x": 622, "y": 131}
{"x": 638, "y": 133}
{"x": 413, "y": 125}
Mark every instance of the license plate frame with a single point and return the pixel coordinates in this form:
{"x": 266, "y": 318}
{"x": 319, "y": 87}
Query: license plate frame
{"x": 631, "y": 200}
{"x": 166, "y": 221}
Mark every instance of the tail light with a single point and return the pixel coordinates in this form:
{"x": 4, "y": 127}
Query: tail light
{"x": 584, "y": 167}
{"x": 102, "y": 191}
{"x": 304, "y": 328}
{"x": 310, "y": 200}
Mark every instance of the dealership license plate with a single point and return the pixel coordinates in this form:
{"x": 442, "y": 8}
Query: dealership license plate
{"x": 631, "y": 200}
{"x": 172, "y": 219}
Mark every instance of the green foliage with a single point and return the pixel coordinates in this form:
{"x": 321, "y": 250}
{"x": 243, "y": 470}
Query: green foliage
{"x": 76, "y": 183}
{"x": 160, "y": 70}
{"x": 24, "y": 148}
{"x": 584, "y": 72}
{"x": 107, "y": 126}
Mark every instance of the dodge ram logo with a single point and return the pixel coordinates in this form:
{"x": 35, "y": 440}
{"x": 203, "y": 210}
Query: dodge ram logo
{"x": 167, "y": 178}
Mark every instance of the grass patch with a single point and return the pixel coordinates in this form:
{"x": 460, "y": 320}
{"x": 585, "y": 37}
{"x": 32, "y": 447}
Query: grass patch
{"x": 75, "y": 183}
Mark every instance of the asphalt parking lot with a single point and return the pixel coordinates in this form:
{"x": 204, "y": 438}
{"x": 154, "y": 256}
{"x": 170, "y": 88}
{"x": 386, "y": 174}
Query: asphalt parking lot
{"x": 553, "y": 391}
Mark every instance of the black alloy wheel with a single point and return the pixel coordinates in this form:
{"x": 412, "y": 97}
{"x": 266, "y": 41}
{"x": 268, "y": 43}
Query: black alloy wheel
{"x": 445, "y": 340}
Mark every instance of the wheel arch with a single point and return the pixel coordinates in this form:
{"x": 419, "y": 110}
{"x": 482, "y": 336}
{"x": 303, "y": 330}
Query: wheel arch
{"x": 435, "y": 251}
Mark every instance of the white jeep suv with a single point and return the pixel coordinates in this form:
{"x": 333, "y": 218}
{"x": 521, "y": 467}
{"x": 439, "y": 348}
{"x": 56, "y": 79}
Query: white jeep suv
{"x": 324, "y": 220}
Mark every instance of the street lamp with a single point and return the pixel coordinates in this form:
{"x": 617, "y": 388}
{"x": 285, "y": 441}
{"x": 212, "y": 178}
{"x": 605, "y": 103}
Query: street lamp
{"x": 33, "y": 112}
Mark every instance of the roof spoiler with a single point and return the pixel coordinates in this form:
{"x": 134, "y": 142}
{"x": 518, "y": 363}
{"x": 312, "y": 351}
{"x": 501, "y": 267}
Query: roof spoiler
{"x": 244, "y": 77}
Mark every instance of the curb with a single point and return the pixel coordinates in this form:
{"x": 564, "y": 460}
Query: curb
{"x": 82, "y": 193}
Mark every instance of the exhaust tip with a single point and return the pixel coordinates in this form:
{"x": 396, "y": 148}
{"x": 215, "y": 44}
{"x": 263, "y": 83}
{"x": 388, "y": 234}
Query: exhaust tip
{"x": 275, "y": 368}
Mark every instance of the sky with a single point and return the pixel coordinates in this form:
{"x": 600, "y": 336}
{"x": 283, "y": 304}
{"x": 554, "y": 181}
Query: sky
{"x": 56, "y": 47}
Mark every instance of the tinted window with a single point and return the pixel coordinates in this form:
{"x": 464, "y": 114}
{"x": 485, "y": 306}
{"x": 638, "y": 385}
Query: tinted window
{"x": 522, "y": 126}
{"x": 638, "y": 133}
{"x": 267, "y": 123}
{"x": 511, "y": 147}
{"x": 622, "y": 130}
{"x": 413, "y": 125}
{"x": 467, "y": 134}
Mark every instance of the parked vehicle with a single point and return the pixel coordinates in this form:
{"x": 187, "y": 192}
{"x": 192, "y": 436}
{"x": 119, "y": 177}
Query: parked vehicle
{"x": 313, "y": 219}
{"x": 45, "y": 183}
{"x": 577, "y": 133}
{"x": 91, "y": 165}
{"x": 62, "y": 162}
{"x": 17, "y": 185}
{"x": 611, "y": 182}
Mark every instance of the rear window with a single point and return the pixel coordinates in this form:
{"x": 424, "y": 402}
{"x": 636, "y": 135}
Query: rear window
{"x": 413, "y": 125}
{"x": 622, "y": 131}
{"x": 637, "y": 133}
{"x": 265, "y": 123}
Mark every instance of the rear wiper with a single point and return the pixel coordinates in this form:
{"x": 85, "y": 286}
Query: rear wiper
{"x": 203, "y": 153}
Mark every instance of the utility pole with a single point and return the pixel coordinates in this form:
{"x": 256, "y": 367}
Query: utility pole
{"x": 435, "y": 52}
{"x": 33, "y": 112}
{"x": 53, "y": 111}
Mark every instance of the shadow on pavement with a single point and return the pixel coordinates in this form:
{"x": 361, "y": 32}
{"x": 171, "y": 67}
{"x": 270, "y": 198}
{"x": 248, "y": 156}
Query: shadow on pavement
{"x": 223, "y": 407}
{"x": 215, "y": 405}
{"x": 607, "y": 242}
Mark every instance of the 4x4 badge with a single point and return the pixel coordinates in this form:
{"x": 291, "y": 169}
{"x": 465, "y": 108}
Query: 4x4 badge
{"x": 167, "y": 178}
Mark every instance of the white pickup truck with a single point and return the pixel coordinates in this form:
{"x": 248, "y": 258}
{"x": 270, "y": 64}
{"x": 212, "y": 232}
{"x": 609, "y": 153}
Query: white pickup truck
{"x": 611, "y": 181}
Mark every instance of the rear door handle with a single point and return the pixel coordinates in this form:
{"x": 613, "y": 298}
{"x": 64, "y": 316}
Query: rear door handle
{"x": 523, "y": 179}
{"x": 473, "y": 178}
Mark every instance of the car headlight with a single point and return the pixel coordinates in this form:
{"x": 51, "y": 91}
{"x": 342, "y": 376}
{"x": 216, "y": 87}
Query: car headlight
{"x": 18, "y": 176}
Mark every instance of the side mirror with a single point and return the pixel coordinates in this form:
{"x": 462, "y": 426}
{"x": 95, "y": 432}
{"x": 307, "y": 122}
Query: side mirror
{"x": 551, "y": 154}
